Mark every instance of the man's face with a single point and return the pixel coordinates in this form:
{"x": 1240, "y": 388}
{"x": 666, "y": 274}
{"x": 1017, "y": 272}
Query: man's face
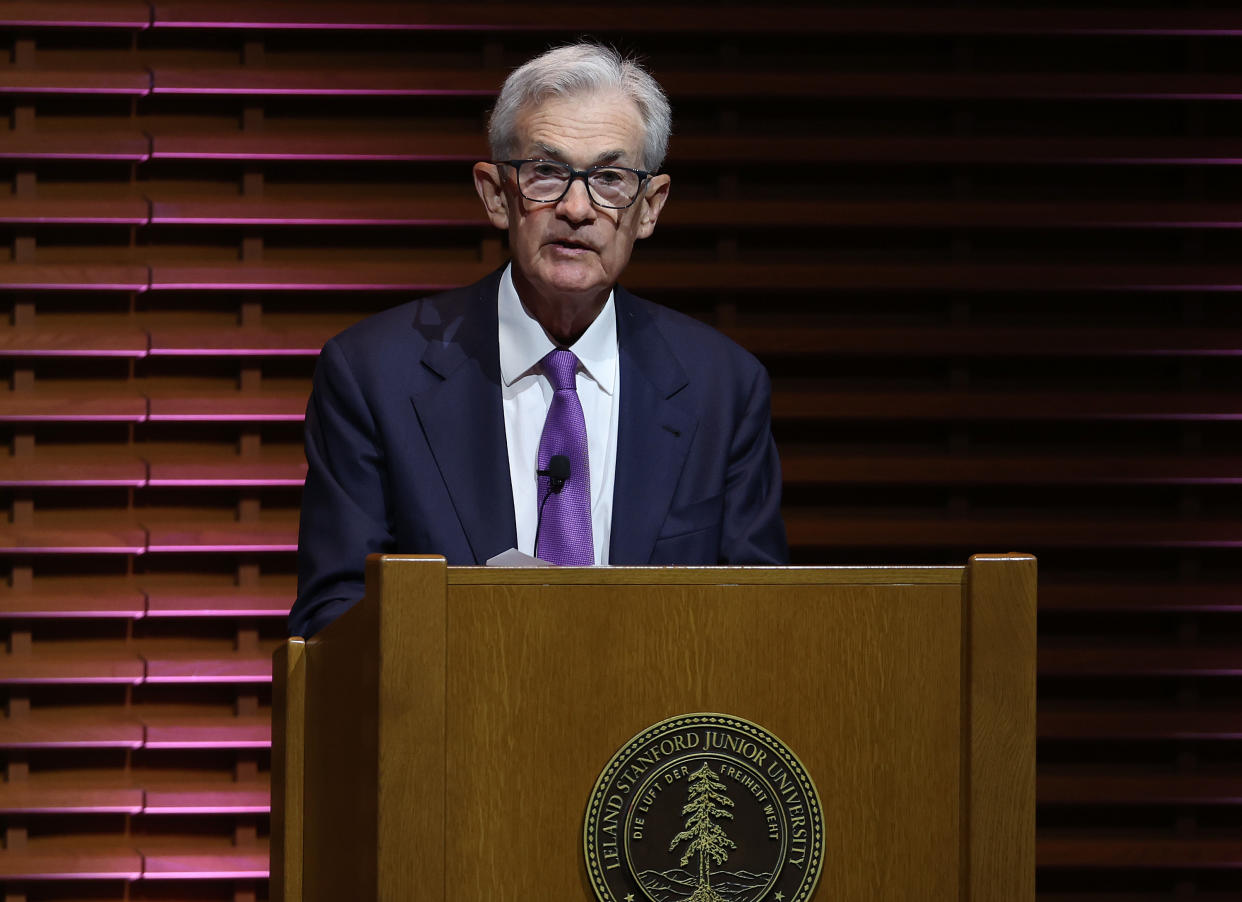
{"x": 572, "y": 252}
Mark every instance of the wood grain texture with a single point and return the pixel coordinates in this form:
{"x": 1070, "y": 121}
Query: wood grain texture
{"x": 342, "y": 779}
{"x": 999, "y": 694}
{"x": 549, "y": 681}
{"x": 857, "y": 670}
{"x": 288, "y": 770}
{"x": 414, "y": 770}
{"x": 473, "y": 709}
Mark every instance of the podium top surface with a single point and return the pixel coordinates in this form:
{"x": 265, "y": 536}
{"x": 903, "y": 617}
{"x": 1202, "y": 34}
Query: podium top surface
{"x": 689, "y": 576}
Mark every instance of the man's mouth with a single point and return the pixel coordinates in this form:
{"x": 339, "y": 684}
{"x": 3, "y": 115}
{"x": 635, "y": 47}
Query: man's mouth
{"x": 569, "y": 244}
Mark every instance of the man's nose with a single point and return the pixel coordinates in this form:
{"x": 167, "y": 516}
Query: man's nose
{"x": 576, "y": 204}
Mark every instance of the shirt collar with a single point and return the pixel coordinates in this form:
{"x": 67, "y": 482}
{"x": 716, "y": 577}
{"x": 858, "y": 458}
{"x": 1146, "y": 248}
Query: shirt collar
{"x": 523, "y": 342}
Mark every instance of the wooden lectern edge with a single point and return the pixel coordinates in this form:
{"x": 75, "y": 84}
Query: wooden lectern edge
{"x": 998, "y": 705}
{"x": 288, "y": 773}
{"x": 947, "y": 574}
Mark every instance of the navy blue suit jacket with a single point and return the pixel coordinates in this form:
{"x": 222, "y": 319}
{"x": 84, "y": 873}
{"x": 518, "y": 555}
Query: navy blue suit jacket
{"x": 405, "y": 442}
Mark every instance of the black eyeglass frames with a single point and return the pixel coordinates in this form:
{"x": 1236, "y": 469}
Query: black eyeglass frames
{"x": 547, "y": 181}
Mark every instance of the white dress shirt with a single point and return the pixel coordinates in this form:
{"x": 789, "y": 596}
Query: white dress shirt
{"x": 526, "y": 395}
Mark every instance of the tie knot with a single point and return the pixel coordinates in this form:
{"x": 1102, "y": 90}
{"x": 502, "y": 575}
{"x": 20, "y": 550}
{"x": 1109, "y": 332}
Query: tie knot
{"x": 560, "y": 367}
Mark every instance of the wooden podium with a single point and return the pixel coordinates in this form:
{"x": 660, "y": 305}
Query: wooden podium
{"x": 441, "y": 740}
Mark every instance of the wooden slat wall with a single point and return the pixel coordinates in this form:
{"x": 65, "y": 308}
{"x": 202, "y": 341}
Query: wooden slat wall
{"x": 988, "y": 255}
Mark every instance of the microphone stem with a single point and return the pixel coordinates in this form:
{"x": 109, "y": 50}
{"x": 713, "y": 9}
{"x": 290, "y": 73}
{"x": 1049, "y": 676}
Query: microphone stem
{"x": 539, "y": 518}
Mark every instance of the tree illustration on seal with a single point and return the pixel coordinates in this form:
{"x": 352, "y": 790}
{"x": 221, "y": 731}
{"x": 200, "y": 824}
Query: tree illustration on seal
{"x": 707, "y": 838}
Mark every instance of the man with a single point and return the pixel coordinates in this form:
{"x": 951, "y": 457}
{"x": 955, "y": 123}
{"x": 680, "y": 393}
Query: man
{"x": 544, "y": 399}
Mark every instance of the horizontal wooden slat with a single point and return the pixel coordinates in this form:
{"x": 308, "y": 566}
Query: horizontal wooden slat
{"x": 200, "y": 595}
{"x": 74, "y": 597}
{"x": 1099, "y": 787}
{"x": 982, "y": 149}
{"x": 198, "y": 796}
{"x": 150, "y": 726}
{"x": 122, "y": 335}
{"x": 274, "y": 80}
{"x": 781, "y": 19}
{"x": 324, "y": 81}
{"x": 341, "y": 207}
{"x": 74, "y": 277}
{"x": 96, "y": 661}
{"x": 780, "y": 336}
{"x": 120, "y": 143}
{"x": 134, "y": 14}
{"x": 134, "y": 791}
{"x": 1135, "y": 722}
{"x": 366, "y": 275}
{"x": 336, "y": 143}
{"x": 65, "y": 400}
{"x": 45, "y": 210}
{"x": 1123, "y": 595}
{"x": 947, "y": 214}
{"x": 790, "y": 276}
{"x": 203, "y": 661}
{"x": 206, "y": 465}
{"x": 119, "y": 80}
{"x": 278, "y": 335}
{"x": 1119, "y": 658}
{"x": 214, "y": 401}
{"x": 137, "y": 662}
{"x": 100, "y": 792}
{"x": 203, "y": 727}
{"x": 344, "y": 207}
{"x": 1037, "y": 531}
{"x": 199, "y": 858}
{"x": 175, "y": 595}
{"x": 208, "y": 531}
{"x": 799, "y": 403}
{"x": 70, "y": 727}
{"x": 329, "y": 144}
{"x": 75, "y": 465}
{"x": 70, "y": 857}
{"x": 1095, "y": 851}
{"x": 74, "y": 532}
{"x": 353, "y": 276}
{"x": 810, "y": 465}
{"x": 75, "y": 336}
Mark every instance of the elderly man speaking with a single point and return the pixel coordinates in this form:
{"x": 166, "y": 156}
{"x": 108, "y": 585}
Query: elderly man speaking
{"x": 544, "y": 408}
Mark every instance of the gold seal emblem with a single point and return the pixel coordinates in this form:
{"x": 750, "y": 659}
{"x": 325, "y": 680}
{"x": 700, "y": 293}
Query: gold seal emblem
{"x": 704, "y": 808}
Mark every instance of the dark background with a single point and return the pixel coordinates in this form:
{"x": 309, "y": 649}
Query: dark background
{"x": 989, "y": 256}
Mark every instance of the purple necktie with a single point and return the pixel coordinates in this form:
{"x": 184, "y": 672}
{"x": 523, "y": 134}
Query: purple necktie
{"x": 565, "y": 530}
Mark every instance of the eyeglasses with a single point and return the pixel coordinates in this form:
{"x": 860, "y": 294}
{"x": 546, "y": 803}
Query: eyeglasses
{"x": 547, "y": 181}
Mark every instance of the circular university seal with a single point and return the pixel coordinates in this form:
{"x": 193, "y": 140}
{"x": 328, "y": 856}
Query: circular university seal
{"x": 704, "y": 808}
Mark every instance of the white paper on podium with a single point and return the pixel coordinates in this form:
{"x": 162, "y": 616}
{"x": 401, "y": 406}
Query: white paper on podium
{"x": 515, "y": 558}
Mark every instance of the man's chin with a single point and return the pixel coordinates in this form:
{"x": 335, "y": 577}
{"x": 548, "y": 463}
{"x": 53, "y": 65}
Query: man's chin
{"x": 574, "y": 278}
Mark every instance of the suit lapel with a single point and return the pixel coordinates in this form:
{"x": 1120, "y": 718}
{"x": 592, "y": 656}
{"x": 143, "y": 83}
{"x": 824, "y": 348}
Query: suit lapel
{"x": 653, "y": 436}
{"x": 463, "y": 421}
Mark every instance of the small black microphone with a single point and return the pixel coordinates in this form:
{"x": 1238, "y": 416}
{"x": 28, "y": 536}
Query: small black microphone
{"x": 558, "y": 474}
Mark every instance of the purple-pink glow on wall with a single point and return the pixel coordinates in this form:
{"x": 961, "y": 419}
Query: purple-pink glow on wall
{"x": 219, "y": 742}
{"x": 204, "y": 809}
{"x": 225, "y": 417}
{"x": 307, "y": 351}
{"x": 224, "y": 482}
{"x": 224, "y": 546}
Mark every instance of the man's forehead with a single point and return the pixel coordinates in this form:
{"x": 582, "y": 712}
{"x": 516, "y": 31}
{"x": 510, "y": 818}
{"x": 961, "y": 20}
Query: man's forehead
{"x": 604, "y": 126}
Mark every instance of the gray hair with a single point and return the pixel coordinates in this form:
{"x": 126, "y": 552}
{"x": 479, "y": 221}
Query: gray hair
{"x": 579, "y": 69}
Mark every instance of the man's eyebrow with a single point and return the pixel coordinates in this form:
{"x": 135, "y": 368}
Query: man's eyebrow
{"x": 555, "y": 153}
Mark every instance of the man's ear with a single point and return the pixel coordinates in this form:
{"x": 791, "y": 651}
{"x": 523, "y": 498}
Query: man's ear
{"x": 652, "y": 202}
{"x": 488, "y": 183}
